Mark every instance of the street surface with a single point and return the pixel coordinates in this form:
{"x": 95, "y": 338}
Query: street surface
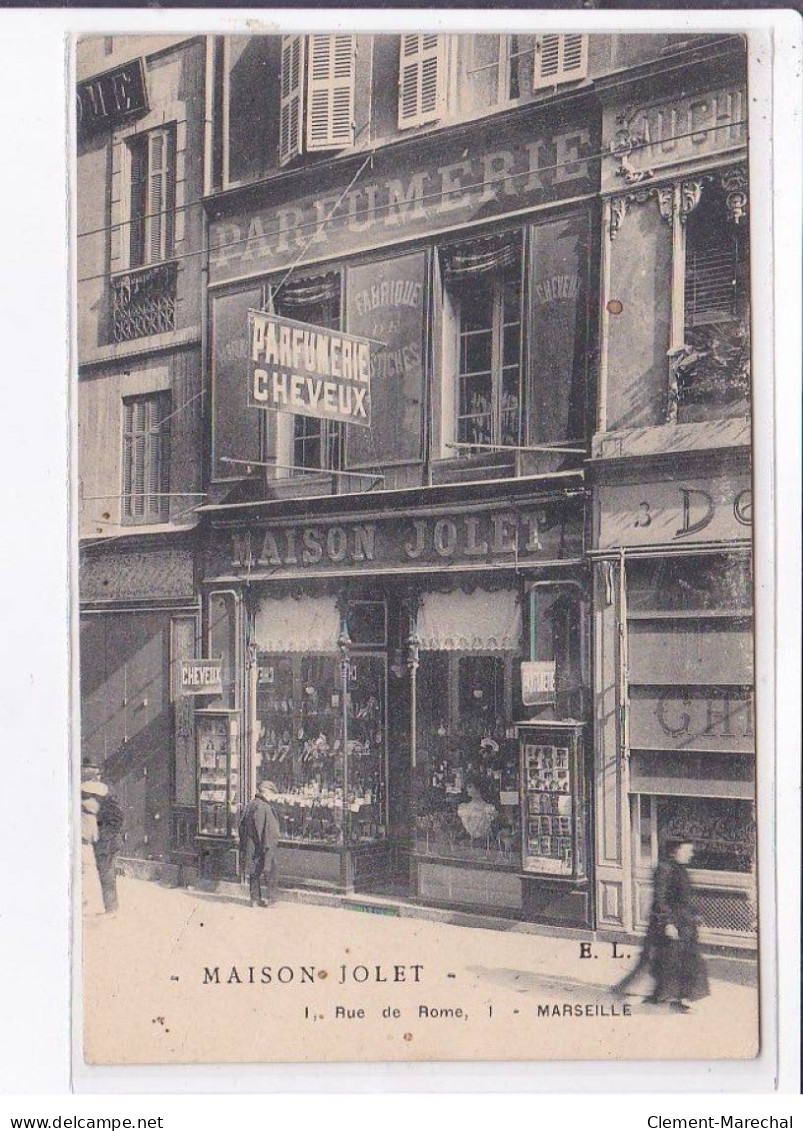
{"x": 180, "y": 975}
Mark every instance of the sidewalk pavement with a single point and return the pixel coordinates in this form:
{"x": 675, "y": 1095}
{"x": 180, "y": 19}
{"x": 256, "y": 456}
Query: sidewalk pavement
{"x": 180, "y": 975}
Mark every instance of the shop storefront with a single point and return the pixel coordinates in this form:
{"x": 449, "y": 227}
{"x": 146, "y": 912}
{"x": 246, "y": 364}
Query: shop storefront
{"x": 676, "y": 747}
{"x": 380, "y": 676}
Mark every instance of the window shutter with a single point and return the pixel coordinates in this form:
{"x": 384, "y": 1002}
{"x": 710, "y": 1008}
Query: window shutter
{"x": 330, "y": 98}
{"x": 422, "y": 79}
{"x": 160, "y": 194}
{"x": 711, "y": 268}
{"x": 291, "y": 108}
{"x": 559, "y": 58}
{"x": 138, "y": 159}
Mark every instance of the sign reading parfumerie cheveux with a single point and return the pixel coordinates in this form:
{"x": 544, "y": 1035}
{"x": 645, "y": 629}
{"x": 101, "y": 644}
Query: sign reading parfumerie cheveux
{"x": 308, "y": 370}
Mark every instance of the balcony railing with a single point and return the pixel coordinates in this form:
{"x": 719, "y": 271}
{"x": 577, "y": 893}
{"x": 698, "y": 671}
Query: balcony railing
{"x": 144, "y": 302}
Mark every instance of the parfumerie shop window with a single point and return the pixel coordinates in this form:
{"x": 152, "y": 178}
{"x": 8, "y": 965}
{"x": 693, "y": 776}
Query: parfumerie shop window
{"x": 466, "y": 777}
{"x": 320, "y": 719}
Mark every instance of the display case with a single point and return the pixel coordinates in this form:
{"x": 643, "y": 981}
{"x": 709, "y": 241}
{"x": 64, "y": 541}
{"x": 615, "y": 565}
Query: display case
{"x": 305, "y": 729}
{"x": 217, "y": 739}
{"x": 554, "y": 821}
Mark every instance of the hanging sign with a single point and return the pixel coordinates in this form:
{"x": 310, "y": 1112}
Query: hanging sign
{"x": 537, "y": 683}
{"x": 308, "y": 370}
{"x": 201, "y": 677}
{"x": 111, "y": 98}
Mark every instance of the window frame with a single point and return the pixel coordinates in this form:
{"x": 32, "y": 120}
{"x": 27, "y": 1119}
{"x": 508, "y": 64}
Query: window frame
{"x": 141, "y": 227}
{"x": 331, "y": 433}
{"x": 497, "y": 372}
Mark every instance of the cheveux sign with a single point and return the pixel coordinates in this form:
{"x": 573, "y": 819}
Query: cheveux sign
{"x": 449, "y": 181}
{"x": 520, "y": 536}
{"x": 308, "y": 370}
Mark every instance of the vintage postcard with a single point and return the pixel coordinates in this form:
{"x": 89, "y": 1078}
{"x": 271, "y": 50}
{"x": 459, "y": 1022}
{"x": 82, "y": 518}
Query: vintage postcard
{"x": 413, "y": 400}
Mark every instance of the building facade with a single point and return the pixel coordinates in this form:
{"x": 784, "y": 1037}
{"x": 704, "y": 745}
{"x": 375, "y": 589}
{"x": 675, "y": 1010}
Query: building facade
{"x": 673, "y": 621}
{"x": 140, "y": 415}
{"x": 428, "y": 624}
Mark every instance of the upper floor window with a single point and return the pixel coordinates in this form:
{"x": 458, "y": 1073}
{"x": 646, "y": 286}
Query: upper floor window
{"x": 559, "y": 59}
{"x": 422, "y": 79}
{"x": 146, "y": 463}
{"x": 152, "y": 200}
{"x": 510, "y": 68}
{"x": 484, "y": 281}
{"x": 316, "y": 109}
{"x": 710, "y": 368}
{"x": 316, "y": 444}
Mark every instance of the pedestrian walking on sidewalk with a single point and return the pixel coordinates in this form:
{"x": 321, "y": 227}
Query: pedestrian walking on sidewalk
{"x": 259, "y": 839}
{"x": 676, "y": 963}
{"x": 107, "y": 849}
{"x": 91, "y": 892}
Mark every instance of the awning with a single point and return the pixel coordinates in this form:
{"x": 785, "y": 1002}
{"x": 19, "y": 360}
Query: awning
{"x": 682, "y": 774}
{"x": 481, "y": 621}
{"x": 290, "y": 624}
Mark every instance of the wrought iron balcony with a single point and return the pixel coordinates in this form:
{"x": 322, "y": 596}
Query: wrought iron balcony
{"x": 144, "y": 301}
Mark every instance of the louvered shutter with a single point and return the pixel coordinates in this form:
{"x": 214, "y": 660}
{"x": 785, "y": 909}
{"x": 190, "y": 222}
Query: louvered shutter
{"x": 559, "y": 58}
{"x": 330, "y": 94}
{"x": 128, "y": 457}
{"x": 711, "y": 267}
{"x": 138, "y": 159}
{"x": 291, "y": 108}
{"x": 422, "y": 79}
{"x": 161, "y": 194}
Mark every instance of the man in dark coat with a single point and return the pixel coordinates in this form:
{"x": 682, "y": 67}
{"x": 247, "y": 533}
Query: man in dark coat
{"x": 110, "y": 837}
{"x": 259, "y": 838}
{"x": 107, "y": 847}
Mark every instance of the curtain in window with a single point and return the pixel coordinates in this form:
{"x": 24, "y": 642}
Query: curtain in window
{"x": 298, "y": 293}
{"x": 471, "y": 259}
{"x": 481, "y": 621}
{"x": 289, "y": 624}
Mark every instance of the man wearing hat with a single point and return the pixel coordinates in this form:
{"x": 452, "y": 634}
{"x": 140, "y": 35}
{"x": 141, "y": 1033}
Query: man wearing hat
{"x": 259, "y": 838}
{"x": 109, "y": 840}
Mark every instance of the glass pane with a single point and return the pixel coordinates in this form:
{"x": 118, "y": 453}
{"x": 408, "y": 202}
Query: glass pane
{"x": 476, "y": 306}
{"x": 716, "y": 582}
{"x": 366, "y": 749}
{"x": 366, "y": 622}
{"x": 555, "y": 638}
{"x": 475, "y": 351}
{"x": 722, "y": 832}
{"x": 299, "y": 745}
{"x": 466, "y": 781}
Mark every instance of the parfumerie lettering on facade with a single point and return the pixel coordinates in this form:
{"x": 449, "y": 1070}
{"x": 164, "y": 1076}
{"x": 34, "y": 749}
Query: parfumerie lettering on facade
{"x": 500, "y": 178}
{"x": 308, "y": 370}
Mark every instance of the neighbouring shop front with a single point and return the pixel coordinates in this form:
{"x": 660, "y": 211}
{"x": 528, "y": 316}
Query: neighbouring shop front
{"x": 674, "y": 696}
{"x": 415, "y": 683}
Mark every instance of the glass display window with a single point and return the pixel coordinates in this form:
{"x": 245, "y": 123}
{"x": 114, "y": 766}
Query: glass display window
{"x": 466, "y": 779}
{"x": 721, "y": 830}
{"x": 553, "y": 802}
{"x": 717, "y": 583}
{"x": 326, "y": 755}
{"x": 217, "y": 738}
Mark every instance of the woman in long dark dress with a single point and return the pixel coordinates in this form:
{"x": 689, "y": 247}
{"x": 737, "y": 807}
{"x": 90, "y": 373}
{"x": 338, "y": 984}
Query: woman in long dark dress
{"x": 676, "y": 961}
